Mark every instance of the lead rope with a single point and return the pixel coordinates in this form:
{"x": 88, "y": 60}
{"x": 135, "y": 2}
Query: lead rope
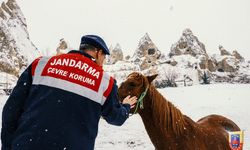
{"x": 140, "y": 100}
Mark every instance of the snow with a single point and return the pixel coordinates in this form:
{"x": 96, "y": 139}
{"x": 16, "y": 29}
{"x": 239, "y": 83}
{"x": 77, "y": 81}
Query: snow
{"x": 23, "y": 42}
{"x": 144, "y": 39}
{"x": 117, "y": 47}
{"x": 20, "y": 35}
{"x": 229, "y": 100}
{"x": 11, "y": 81}
{"x": 15, "y": 28}
{"x": 121, "y": 70}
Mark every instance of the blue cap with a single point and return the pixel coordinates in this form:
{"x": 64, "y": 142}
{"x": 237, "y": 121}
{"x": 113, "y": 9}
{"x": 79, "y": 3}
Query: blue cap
{"x": 96, "y": 41}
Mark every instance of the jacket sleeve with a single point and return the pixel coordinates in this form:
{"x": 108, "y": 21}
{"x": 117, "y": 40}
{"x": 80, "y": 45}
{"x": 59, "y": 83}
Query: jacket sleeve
{"x": 13, "y": 108}
{"x": 113, "y": 111}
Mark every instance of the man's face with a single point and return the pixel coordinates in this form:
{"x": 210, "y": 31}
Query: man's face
{"x": 100, "y": 57}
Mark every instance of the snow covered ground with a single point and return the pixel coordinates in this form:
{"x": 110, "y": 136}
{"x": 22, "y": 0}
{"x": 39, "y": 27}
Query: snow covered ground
{"x": 229, "y": 100}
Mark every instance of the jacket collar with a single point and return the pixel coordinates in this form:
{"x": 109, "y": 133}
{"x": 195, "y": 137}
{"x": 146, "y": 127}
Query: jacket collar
{"x": 82, "y": 53}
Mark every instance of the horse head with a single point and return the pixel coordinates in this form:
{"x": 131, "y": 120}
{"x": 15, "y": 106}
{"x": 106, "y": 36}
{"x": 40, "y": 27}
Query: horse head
{"x": 136, "y": 84}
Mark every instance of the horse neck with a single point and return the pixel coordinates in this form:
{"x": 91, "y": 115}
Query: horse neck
{"x": 161, "y": 114}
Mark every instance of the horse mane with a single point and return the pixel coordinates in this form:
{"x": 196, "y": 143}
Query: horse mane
{"x": 165, "y": 113}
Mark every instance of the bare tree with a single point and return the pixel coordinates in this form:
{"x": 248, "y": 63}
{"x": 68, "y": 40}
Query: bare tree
{"x": 168, "y": 79}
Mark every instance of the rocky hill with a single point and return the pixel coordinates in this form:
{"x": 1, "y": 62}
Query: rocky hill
{"x": 16, "y": 48}
{"x": 187, "y": 63}
{"x": 116, "y": 55}
{"x": 62, "y": 47}
{"x": 188, "y": 44}
{"x": 222, "y": 67}
{"x": 147, "y": 54}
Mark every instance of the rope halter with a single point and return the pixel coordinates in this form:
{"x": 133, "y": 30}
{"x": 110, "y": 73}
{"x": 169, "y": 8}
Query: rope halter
{"x": 140, "y": 100}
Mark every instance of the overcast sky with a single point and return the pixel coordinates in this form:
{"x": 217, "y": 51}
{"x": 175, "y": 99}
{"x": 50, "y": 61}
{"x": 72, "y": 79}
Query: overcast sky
{"x": 214, "y": 22}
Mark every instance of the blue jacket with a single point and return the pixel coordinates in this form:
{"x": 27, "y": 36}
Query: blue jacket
{"x": 57, "y": 104}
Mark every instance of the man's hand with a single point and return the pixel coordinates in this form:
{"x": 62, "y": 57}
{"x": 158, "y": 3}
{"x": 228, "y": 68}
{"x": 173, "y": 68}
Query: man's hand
{"x": 130, "y": 100}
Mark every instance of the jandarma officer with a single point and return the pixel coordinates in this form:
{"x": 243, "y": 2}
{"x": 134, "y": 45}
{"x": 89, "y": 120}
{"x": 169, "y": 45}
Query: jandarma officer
{"x": 58, "y": 101}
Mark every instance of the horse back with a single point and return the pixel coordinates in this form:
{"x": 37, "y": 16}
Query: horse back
{"x": 218, "y": 121}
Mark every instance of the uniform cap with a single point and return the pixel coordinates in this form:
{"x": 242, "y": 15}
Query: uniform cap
{"x": 96, "y": 41}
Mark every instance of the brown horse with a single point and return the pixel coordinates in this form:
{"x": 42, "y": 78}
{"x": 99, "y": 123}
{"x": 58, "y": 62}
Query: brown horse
{"x": 168, "y": 128}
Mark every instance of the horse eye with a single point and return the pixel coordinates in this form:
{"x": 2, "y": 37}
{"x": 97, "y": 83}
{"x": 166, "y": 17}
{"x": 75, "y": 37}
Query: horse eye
{"x": 131, "y": 84}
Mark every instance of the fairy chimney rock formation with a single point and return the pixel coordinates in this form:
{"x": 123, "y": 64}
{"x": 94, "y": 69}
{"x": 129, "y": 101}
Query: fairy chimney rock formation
{"x": 62, "y": 47}
{"x": 238, "y": 56}
{"x": 228, "y": 64}
{"x": 116, "y": 54}
{"x": 16, "y": 50}
{"x": 223, "y": 51}
{"x": 147, "y": 54}
{"x": 188, "y": 44}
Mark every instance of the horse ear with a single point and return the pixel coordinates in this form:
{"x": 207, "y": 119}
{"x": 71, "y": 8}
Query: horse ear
{"x": 151, "y": 78}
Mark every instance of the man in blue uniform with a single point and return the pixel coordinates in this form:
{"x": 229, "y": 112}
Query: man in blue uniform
{"x": 58, "y": 101}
